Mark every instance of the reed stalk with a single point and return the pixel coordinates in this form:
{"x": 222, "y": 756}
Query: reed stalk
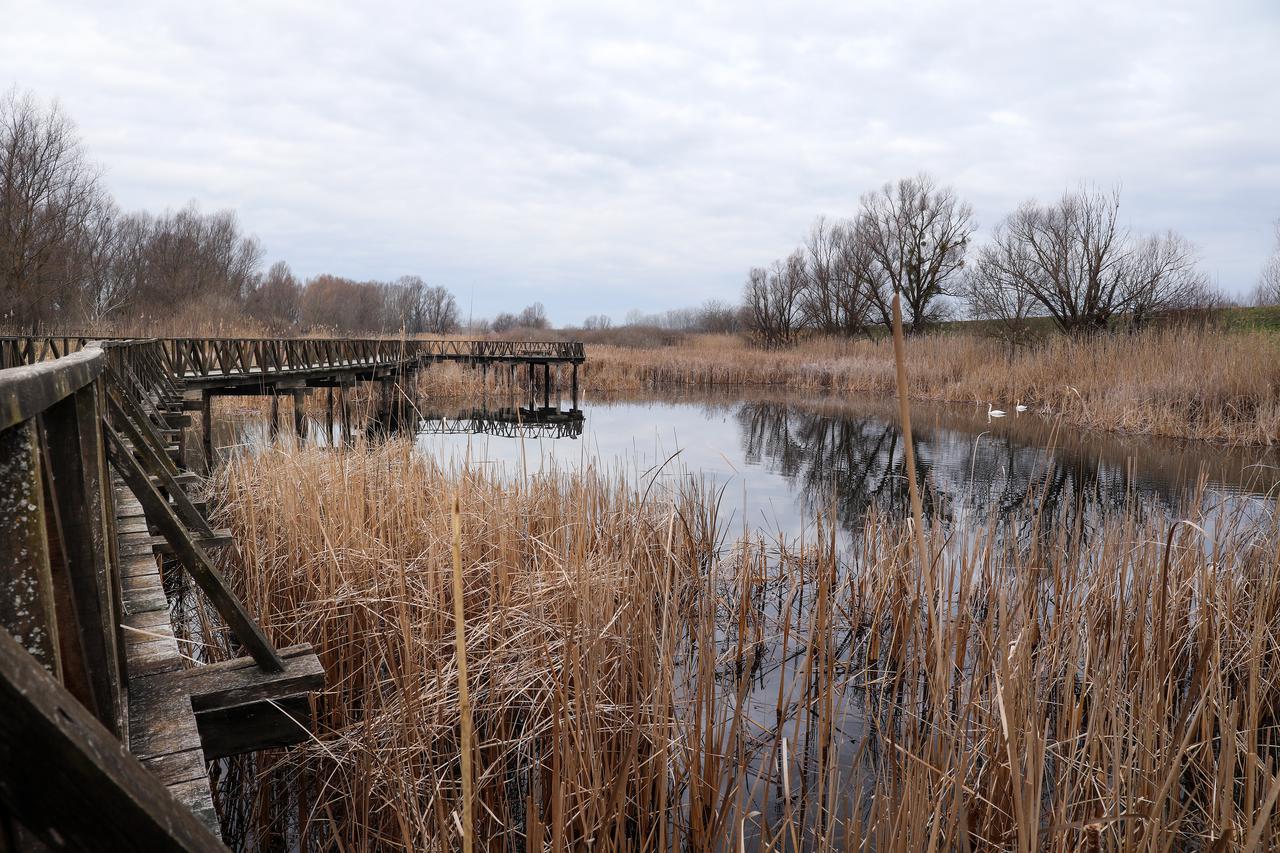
{"x": 635, "y": 680}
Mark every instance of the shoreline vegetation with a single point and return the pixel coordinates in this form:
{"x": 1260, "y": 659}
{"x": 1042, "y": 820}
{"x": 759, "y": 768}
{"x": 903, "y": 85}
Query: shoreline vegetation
{"x": 640, "y": 682}
{"x": 1185, "y": 383}
{"x": 1178, "y": 382}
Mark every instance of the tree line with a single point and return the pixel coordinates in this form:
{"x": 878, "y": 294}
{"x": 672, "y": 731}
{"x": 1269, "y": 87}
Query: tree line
{"x": 69, "y": 256}
{"x": 1070, "y": 260}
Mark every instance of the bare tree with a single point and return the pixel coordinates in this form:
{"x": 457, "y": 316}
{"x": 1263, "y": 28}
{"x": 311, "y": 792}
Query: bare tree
{"x": 1079, "y": 266}
{"x": 1164, "y": 275}
{"x": 505, "y": 322}
{"x": 854, "y": 282}
{"x": 597, "y": 322}
{"x": 1073, "y": 257}
{"x": 819, "y": 306}
{"x": 533, "y": 317}
{"x": 105, "y": 251}
{"x": 772, "y": 300}
{"x": 439, "y": 310}
{"x": 990, "y": 289}
{"x": 719, "y": 317}
{"x": 1268, "y": 292}
{"x": 48, "y": 191}
{"x": 276, "y": 299}
{"x": 915, "y": 234}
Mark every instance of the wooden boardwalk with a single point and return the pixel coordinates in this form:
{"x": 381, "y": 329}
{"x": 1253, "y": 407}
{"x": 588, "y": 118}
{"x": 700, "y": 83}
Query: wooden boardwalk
{"x": 106, "y": 725}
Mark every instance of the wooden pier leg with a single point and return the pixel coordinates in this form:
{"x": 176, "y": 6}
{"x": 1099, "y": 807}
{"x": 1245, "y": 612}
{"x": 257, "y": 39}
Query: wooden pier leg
{"x": 546, "y": 385}
{"x": 275, "y": 414}
{"x": 345, "y": 406}
{"x": 328, "y": 413}
{"x": 573, "y": 386}
{"x": 299, "y": 414}
{"x": 206, "y": 428}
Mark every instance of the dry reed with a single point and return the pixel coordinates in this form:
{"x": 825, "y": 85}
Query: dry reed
{"x": 1179, "y": 382}
{"x": 639, "y": 683}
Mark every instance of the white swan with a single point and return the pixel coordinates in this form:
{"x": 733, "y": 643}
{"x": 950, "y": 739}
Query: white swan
{"x": 994, "y": 413}
{"x": 1019, "y": 408}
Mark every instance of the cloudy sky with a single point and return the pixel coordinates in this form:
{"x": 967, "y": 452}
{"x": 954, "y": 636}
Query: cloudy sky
{"x": 600, "y": 158}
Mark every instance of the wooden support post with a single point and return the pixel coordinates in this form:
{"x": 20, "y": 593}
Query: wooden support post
{"x": 206, "y": 428}
{"x": 328, "y": 414}
{"x": 191, "y": 555}
{"x": 164, "y": 477}
{"x": 26, "y": 582}
{"x": 345, "y": 405}
{"x": 83, "y": 789}
{"x": 546, "y": 385}
{"x": 77, "y": 485}
{"x": 274, "y": 429}
{"x": 573, "y": 386}
{"x": 300, "y": 414}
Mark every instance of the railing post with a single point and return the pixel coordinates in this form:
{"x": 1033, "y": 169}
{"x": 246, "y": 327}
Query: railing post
{"x": 78, "y": 484}
{"x": 26, "y": 582}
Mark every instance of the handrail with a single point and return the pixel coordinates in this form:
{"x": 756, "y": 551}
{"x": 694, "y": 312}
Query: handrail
{"x": 28, "y": 390}
{"x": 196, "y": 356}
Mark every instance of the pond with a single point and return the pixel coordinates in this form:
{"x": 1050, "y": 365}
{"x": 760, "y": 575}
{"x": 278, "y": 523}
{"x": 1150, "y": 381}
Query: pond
{"x": 781, "y": 462}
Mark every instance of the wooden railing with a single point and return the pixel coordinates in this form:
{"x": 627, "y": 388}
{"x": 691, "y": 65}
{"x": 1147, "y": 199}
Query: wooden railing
{"x": 78, "y": 422}
{"x": 240, "y": 356}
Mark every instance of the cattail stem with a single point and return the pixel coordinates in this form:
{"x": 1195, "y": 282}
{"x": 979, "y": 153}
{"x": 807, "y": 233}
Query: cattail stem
{"x": 904, "y": 413}
{"x": 464, "y": 701}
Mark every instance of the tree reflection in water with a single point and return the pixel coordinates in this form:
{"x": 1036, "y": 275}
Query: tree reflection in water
{"x": 848, "y": 461}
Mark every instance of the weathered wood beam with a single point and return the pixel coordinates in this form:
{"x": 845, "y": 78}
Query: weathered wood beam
{"x": 26, "y": 581}
{"x": 239, "y": 708}
{"x": 84, "y": 790}
{"x": 191, "y": 555}
{"x": 27, "y": 391}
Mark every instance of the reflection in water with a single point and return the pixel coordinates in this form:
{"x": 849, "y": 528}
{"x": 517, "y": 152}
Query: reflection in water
{"x": 794, "y": 462}
{"x": 790, "y": 460}
{"x": 846, "y": 461}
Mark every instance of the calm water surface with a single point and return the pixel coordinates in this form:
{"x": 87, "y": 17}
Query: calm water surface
{"x": 782, "y": 460}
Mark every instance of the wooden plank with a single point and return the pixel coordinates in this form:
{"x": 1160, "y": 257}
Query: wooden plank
{"x": 90, "y": 793}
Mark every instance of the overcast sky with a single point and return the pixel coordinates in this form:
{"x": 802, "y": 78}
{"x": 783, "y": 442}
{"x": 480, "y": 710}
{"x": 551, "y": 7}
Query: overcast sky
{"x": 601, "y": 159}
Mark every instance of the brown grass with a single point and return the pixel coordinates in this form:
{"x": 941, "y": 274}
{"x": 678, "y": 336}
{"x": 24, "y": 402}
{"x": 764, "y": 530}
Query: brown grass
{"x": 636, "y": 685}
{"x": 1185, "y": 383}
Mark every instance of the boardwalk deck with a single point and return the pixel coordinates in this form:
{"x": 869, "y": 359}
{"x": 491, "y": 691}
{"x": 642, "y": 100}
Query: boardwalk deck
{"x": 94, "y": 684}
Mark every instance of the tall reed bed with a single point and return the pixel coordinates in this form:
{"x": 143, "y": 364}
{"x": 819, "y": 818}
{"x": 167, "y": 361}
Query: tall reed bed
{"x": 640, "y": 682}
{"x": 1180, "y": 382}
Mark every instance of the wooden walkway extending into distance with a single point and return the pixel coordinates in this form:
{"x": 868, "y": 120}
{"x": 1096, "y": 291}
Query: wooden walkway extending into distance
{"x": 106, "y": 728}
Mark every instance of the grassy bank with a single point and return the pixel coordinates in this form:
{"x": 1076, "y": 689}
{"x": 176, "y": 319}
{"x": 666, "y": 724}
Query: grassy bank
{"x": 1184, "y": 383}
{"x": 639, "y": 684}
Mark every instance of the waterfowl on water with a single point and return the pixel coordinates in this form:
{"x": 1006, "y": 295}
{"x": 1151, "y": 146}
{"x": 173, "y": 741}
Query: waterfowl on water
{"x": 995, "y": 413}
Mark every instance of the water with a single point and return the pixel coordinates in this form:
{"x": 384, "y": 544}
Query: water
{"x": 780, "y": 461}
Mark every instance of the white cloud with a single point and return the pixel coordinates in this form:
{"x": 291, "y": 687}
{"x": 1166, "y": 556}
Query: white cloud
{"x": 599, "y": 157}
